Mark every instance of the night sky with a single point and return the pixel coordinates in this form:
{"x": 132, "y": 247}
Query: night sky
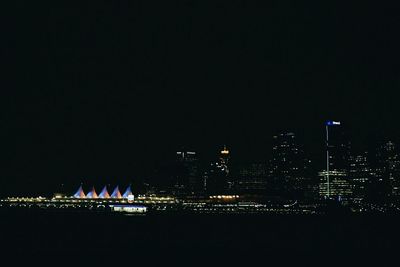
{"x": 101, "y": 92}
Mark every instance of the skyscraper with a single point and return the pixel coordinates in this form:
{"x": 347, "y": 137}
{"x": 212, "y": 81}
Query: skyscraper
{"x": 387, "y": 179}
{"x": 251, "y": 178}
{"x": 288, "y": 168}
{"x": 339, "y": 185}
{"x": 217, "y": 176}
{"x": 360, "y": 174}
{"x": 339, "y": 149}
{"x": 187, "y": 174}
{"x": 334, "y": 180}
{"x": 223, "y": 163}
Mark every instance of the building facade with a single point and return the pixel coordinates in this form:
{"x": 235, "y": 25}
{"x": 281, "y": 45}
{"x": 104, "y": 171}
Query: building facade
{"x": 387, "y": 178}
{"x": 335, "y": 181}
{"x": 217, "y": 177}
{"x": 288, "y": 168}
{"x": 187, "y": 173}
{"x": 251, "y": 178}
{"x": 360, "y": 173}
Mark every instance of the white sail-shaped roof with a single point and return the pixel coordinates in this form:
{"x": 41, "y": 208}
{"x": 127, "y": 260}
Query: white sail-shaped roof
{"x": 92, "y": 194}
{"x": 128, "y": 192}
{"x": 116, "y": 193}
{"x": 104, "y": 193}
{"x": 79, "y": 193}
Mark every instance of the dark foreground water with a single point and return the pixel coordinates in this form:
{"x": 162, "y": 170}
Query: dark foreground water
{"x": 107, "y": 238}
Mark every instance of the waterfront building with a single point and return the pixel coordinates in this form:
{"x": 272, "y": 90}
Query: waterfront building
{"x": 128, "y": 192}
{"x": 116, "y": 193}
{"x": 79, "y": 193}
{"x": 92, "y": 193}
{"x": 104, "y": 193}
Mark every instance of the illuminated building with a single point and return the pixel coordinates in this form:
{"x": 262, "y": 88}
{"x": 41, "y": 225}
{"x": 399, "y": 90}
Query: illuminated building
{"x": 288, "y": 172}
{"x": 339, "y": 149}
{"x": 360, "y": 173}
{"x": 339, "y": 186}
{"x": 104, "y": 193}
{"x": 129, "y": 208}
{"x": 387, "y": 179}
{"x": 217, "y": 178}
{"x": 187, "y": 175}
{"x": 128, "y": 192}
{"x": 224, "y": 160}
{"x": 79, "y": 193}
{"x": 252, "y": 178}
{"x": 116, "y": 193}
{"x": 92, "y": 193}
{"x": 336, "y": 184}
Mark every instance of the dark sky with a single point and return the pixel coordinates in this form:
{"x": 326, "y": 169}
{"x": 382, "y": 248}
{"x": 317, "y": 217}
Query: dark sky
{"x": 101, "y": 91}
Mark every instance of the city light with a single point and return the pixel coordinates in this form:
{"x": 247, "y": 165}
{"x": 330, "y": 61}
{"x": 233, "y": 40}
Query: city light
{"x": 285, "y": 184}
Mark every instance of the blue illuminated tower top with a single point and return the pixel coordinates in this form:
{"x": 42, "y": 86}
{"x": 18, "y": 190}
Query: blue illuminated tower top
{"x": 332, "y": 123}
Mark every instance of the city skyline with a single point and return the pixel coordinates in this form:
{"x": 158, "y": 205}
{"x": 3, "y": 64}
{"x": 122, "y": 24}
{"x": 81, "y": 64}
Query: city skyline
{"x": 101, "y": 91}
{"x": 257, "y": 176}
{"x": 199, "y": 132}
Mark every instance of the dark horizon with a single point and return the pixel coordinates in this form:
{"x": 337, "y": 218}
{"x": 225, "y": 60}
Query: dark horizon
{"x": 107, "y": 90}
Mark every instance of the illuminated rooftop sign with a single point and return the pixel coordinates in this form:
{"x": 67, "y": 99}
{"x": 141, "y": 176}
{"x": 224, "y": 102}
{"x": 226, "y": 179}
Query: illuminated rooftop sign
{"x": 225, "y": 151}
{"x": 332, "y": 123}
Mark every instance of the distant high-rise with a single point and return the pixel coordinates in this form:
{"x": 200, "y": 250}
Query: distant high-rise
{"x": 387, "y": 179}
{"x": 334, "y": 180}
{"x": 224, "y": 157}
{"x": 187, "y": 173}
{"x": 251, "y": 178}
{"x": 339, "y": 149}
{"x": 359, "y": 173}
{"x": 217, "y": 176}
{"x": 339, "y": 185}
{"x": 288, "y": 168}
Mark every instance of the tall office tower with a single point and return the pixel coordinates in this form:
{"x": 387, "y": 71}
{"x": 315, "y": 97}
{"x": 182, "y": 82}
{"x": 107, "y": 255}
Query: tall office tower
{"x": 224, "y": 157}
{"x": 360, "y": 174}
{"x": 187, "y": 174}
{"x": 387, "y": 180}
{"x": 251, "y": 178}
{"x": 217, "y": 176}
{"x": 334, "y": 180}
{"x": 339, "y": 186}
{"x": 339, "y": 149}
{"x": 288, "y": 176}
